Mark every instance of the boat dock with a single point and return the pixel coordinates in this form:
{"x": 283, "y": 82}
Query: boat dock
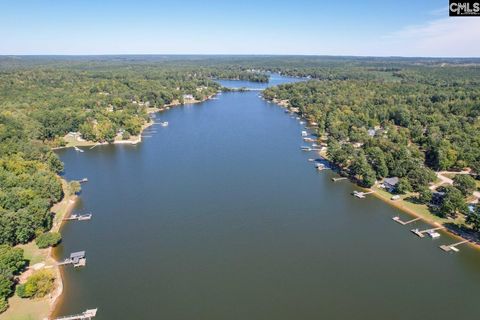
{"x": 86, "y": 315}
{"x": 360, "y": 194}
{"x": 453, "y": 246}
{"x": 79, "y": 217}
{"x": 397, "y": 219}
{"x": 339, "y": 179}
{"x": 421, "y": 233}
{"x": 78, "y": 259}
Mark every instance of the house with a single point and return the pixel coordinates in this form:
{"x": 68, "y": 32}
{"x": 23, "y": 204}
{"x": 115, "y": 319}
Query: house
{"x": 188, "y": 97}
{"x": 390, "y": 183}
{"x": 371, "y": 132}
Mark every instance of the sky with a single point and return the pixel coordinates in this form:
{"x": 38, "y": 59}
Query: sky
{"x": 359, "y": 28}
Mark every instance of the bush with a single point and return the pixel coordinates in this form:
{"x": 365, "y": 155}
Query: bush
{"x": 38, "y": 285}
{"x": 48, "y": 239}
{"x": 425, "y": 196}
{"x": 403, "y": 186}
{"x": 3, "y": 304}
{"x": 74, "y": 187}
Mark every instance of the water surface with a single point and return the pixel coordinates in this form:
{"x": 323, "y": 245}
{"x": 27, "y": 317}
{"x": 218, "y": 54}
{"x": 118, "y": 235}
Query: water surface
{"x": 221, "y": 216}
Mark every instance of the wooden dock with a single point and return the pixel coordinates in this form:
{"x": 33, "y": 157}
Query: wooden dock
{"x": 77, "y": 259}
{"x": 79, "y": 217}
{"x": 339, "y": 179}
{"x": 360, "y": 194}
{"x": 453, "y": 246}
{"x": 397, "y": 219}
{"x": 421, "y": 233}
{"x": 86, "y": 315}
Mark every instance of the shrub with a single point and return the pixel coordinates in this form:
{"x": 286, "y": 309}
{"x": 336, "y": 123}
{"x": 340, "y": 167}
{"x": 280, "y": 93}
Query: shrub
{"x": 74, "y": 187}
{"x": 3, "y": 304}
{"x": 38, "y": 285}
{"x": 48, "y": 239}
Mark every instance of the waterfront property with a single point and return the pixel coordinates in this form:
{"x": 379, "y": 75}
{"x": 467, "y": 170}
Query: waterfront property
{"x": 239, "y": 222}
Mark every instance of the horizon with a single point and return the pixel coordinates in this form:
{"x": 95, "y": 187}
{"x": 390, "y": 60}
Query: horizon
{"x": 307, "y": 28}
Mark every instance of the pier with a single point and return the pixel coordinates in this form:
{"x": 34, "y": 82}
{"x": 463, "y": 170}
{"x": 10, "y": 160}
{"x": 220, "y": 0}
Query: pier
{"x": 421, "y": 233}
{"x": 397, "y": 219}
{"x": 86, "y": 315}
{"x": 79, "y": 217}
{"x": 77, "y": 259}
{"x": 453, "y": 246}
{"x": 339, "y": 179}
{"x": 360, "y": 194}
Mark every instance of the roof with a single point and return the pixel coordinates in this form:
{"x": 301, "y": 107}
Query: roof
{"x": 391, "y": 181}
{"x": 79, "y": 254}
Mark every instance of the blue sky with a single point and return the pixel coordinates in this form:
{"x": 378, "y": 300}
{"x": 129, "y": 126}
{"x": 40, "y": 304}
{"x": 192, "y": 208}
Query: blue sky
{"x": 378, "y": 28}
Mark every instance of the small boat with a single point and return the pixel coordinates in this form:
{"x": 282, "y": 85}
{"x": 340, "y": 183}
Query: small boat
{"x": 78, "y": 149}
{"x": 164, "y": 124}
{"x": 83, "y": 180}
{"x": 302, "y": 122}
{"x": 433, "y": 234}
{"x": 306, "y": 148}
{"x": 304, "y": 133}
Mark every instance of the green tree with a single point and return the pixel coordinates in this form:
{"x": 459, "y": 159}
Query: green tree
{"x": 38, "y": 285}
{"x": 465, "y": 183}
{"x": 48, "y": 239}
{"x": 425, "y": 195}
{"x": 403, "y": 186}
{"x": 74, "y": 187}
{"x": 453, "y": 202}
{"x": 473, "y": 218}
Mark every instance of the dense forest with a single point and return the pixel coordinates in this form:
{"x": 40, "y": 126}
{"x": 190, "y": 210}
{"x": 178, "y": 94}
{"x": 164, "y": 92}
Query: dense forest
{"x": 424, "y": 114}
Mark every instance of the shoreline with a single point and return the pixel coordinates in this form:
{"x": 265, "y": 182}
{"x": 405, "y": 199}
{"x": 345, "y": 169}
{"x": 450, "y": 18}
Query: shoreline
{"x": 55, "y": 299}
{"x": 134, "y": 140}
{"x": 472, "y": 242}
{"x": 43, "y": 259}
{"x": 63, "y": 209}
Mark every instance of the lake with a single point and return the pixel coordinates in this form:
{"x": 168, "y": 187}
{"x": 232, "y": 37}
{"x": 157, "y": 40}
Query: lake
{"x": 221, "y": 216}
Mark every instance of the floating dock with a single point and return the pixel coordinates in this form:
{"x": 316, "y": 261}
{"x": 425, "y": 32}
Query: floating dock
{"x": 339, "y": 179}
{"x": 421, "y": 233}
{"x": 453, "y": 246}
{"x": 397, "y": 219}
{"x": 86, "y": 315}
{"x": 79, "y": 217}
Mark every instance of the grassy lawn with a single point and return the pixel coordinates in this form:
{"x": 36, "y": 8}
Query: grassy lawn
{"x": 420, "y": 210}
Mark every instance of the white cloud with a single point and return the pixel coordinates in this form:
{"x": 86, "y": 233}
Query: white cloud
{"x": 455, "y": 37}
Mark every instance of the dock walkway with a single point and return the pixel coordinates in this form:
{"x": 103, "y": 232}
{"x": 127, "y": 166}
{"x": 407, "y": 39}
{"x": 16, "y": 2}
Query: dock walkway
{"x": 453, "y": 246}
{"x": 86, "y": 315}
{"x": 421, "y": 233}
{"x": 397, "y": 219}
